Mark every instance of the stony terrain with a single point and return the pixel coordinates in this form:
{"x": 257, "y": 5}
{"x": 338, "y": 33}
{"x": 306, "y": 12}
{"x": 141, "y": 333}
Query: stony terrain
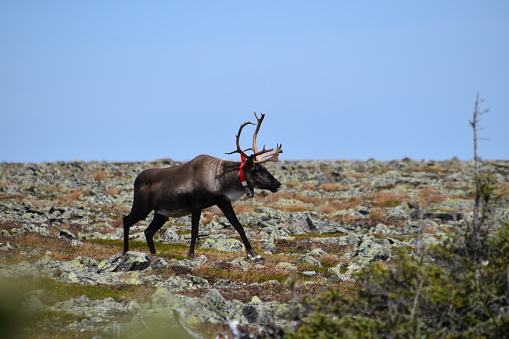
{"x": 61, "y": 243}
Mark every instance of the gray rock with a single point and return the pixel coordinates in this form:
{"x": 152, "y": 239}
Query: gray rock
{"x": 134, "y": 261}
{"x": 241, "y": 262}
{"x": 32, "y": 301}
{"x": 178, "y": 283}
{"x": 259, "y": 312}
{"x": 216, "y": 303}
{"x": 225, "y": 283}
{"x": 131, "y": 261}
{"x": 159, "y": 263}
{"x": 269, "y": 246}
{"x": 369, "y": 250}
{"x": 83, "y": 306}
{"x": 286, "y": 266}
{"x": 317, "y": 252}
{"x": 5, "y": 246}
{"x": 308, "y": 260}
{"x": 4, "y": 234}
{"x": 171, "y": 236}
{"x": 337, "y": 278}
{"x": 222, "y": 243}
{"x": 194, "y": 310}
{"x": 67, "y": 234}
{"x": 162, "y": 298}
{"x": 400, "y": 212}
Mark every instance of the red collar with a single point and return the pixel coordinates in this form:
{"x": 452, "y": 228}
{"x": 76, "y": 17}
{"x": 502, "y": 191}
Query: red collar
{"x": 249, "y": 190}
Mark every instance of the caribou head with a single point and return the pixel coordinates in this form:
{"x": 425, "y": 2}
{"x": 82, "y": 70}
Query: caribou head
{"x": 252, "y": 173}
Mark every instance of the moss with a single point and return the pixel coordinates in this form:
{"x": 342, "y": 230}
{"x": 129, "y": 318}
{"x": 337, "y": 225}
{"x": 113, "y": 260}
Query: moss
{"x": 49, "y": 324}
{"x": 163, "y": 249}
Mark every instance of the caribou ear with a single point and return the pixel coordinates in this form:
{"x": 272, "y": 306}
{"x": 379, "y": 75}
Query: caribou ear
{"x": 249, "y": 166}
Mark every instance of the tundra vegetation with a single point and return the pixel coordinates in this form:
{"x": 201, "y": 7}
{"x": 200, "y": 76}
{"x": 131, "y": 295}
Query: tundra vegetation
{"x": 353, "y": 249}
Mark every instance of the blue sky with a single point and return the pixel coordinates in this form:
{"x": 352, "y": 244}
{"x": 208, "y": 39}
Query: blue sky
{"x": 132, "y": 80}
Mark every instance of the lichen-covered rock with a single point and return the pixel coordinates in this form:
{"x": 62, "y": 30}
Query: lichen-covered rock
{"x": 32, "y": 301}
{"x": 308, "y": 260}
{"x": 176, "y": 283}
{"x": 131, "y": 261}
{"x": 171, "y": 236}
{"x": 269, "y": 246}
{"x": 216, "y": 303}
{"x": 225, "y": 283}
{"x": 317, "y": 252}
{"x": 399, "y": 212}
{"x": 286, "y": 266}
{"x": 67, "y": 234}
{"x": 91, "y": 308}
{"x": 195, "y": 311}
{"x": 369, "y": 250}
{"x": 241, "y": 262}
{"x": 134, "y": 261}
{"x": 258, "y": 312}
{"x": 5, "y": 246}
{"x": 159, "y": 263}
{"x": 110, "y": 264}
{"x": 222, "y": 243}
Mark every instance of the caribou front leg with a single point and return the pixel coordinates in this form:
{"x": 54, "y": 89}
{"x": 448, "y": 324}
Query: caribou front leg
{"x": 227, "y": 209}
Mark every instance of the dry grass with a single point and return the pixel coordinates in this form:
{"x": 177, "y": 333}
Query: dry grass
{"x": 112, "y": 191}
{"x": 377, "y": 213}
{"x": 430, "y": 195}
{"x": 209, "y": 214}
{"x": 357, "y": 175}
{"x": 57, "y": 248}
{"x": 215, "y": 270}
{"x": 504, "y": 190}
{"x": 241, "y": 207}
{"x": 6, "y": 183}
{"x": 388, "y": 199}
{"x": 72, "y": 195}
{"x": 333, "y": 205}
{"x": 333, "y": 187}
{"x": 99, "y": 175}
{"x": 293, "y": 207}
{"x": 303, "y": 197}
{"x": 308, "y": 186}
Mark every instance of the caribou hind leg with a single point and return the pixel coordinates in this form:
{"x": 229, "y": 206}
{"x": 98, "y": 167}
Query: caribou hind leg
{"x": 139, "y": 211}
{"x": 128, "y": 221}
{"x": 154, "y": 226}
{"x": 195, "y": 223}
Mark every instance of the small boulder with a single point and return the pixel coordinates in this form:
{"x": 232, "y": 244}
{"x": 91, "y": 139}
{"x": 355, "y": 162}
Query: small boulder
{"x": 131, "y": 261}
{"x": 308, "y": 260}
{"x": 223, "y": 244}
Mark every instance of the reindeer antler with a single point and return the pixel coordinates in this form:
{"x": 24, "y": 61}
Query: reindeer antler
{"x": 262, "y": 156}
{"x": 239, "y": 149}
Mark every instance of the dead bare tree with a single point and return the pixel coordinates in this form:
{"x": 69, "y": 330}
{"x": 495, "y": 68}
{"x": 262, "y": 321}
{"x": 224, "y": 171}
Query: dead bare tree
{"x": 484, "y": 185}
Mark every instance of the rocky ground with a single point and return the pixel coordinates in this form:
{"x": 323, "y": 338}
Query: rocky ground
{"x": 61, "y": 243}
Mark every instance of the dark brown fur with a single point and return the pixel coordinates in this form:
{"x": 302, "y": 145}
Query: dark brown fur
{"x": 189, "y": 188}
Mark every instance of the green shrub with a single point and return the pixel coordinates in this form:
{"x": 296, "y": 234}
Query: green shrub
{"x": 443, "y": 294}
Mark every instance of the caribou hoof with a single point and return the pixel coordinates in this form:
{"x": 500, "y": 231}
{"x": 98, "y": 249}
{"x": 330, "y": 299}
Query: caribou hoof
{"x": 258, "y": 258}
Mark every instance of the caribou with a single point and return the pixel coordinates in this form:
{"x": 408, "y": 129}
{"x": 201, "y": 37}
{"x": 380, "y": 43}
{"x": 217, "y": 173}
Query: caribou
{"x": 202, "y": 182}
